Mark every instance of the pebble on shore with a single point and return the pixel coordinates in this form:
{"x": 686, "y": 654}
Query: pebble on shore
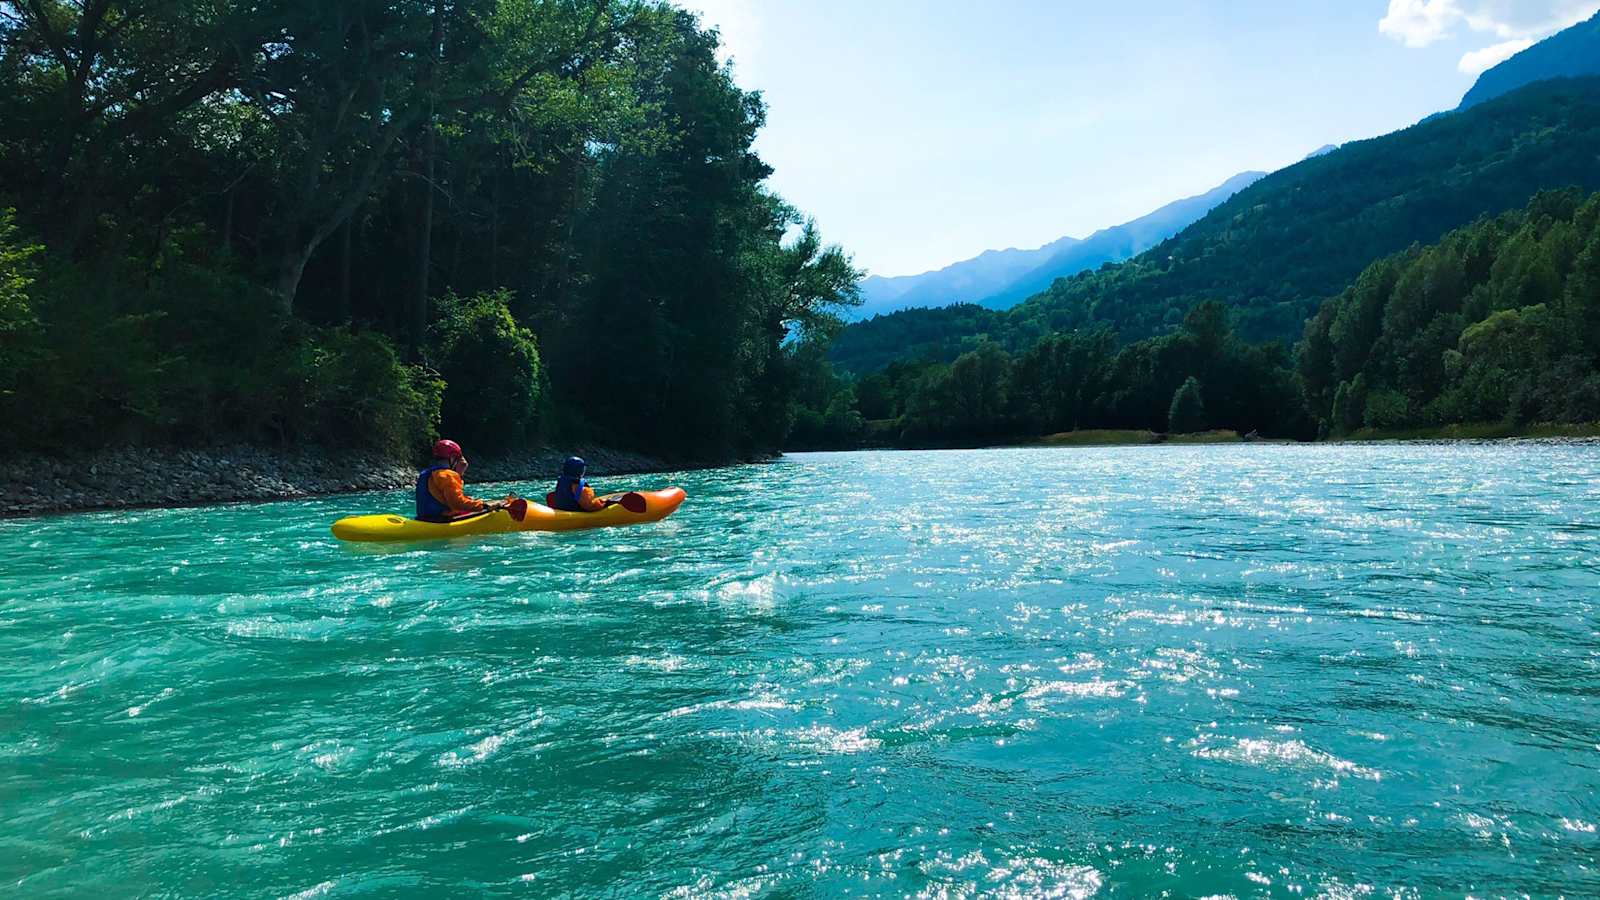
{"x": 139, "y": 477}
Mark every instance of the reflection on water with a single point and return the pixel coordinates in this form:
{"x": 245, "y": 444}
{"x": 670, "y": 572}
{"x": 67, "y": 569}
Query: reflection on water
{"x": 1240, "y": 670}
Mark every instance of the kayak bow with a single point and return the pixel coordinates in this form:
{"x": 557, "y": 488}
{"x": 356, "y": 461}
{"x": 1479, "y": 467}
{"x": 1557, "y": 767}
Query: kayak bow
{"x": 537, "y": 517}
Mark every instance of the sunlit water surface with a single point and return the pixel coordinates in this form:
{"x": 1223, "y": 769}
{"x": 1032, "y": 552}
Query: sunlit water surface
{"x": 1292, "y": 671}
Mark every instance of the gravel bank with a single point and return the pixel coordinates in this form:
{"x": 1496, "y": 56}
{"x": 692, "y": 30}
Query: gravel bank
{"x": 115, "y": 479}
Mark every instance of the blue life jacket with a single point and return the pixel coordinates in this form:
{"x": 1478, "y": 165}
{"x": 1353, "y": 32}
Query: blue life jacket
{"x": 428, "y": 506}
{"x": 566, "y": 494}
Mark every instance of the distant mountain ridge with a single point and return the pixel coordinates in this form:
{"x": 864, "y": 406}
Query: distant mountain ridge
{"x": 979, "y": 276}
{"x": 1123, "y": 242}
{"x": 1572, "y": 53}
{"x": 998, "y": 279}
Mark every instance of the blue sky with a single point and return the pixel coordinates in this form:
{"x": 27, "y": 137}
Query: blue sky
{"x": 921, "y": 132}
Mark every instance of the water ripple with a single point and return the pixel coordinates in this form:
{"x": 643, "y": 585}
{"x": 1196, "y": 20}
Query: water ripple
{"x": 1332, "y": 671}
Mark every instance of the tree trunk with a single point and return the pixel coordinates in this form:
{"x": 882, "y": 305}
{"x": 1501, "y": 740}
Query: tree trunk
{"x": 290, "y": 269}
{"x": 556, "y": 283}
{"x": 453, "y": 279}
{"x": 419, "y": 301}
{"x": 227, "y": 223}
{"x": 494, "y": 233}
{"x": 81, "y": 218}
{"x": 342, "y": 311}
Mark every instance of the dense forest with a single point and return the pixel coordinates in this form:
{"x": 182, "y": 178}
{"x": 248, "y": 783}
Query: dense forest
{"x": 1497, "y": 323}
{"x": 358, "y": 223}
{"x": 1275, "y": 250}
{"x": 1201, "y": 377}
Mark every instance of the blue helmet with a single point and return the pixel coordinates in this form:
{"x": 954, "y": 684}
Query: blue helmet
{"x": 574, "y": 467}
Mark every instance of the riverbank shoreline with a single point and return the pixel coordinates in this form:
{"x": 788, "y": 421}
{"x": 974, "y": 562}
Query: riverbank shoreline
{"x": 1213, "y": 439}
{"x": 146, "y": 478}
{"x": 1452, "y": 434}
{"x": 150, "y": 479}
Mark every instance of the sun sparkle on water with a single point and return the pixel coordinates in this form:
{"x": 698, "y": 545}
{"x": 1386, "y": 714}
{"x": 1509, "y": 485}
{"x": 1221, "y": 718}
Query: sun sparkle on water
{"x": 1225, "y": 670}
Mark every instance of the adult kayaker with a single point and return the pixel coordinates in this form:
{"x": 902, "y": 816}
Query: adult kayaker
{"x": 441, "y": 494}
{"x": 572, "y": 492}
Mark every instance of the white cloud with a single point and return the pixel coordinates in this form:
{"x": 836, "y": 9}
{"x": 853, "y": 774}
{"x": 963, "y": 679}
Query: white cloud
{"x": 1508, "y": 19}
{"x": 738, "y": 25}
{"x": 1418, "y": 23}
{"x": 1514, "y": 24}
{"x": 1479, "y": 61}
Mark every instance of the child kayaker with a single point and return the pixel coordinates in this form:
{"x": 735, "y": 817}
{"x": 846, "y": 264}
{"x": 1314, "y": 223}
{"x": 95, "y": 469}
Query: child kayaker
{"x": 441, "y": 493}
{"x": 572, "y": 492}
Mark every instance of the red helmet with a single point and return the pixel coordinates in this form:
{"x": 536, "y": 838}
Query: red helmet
{"x": 447, "y": 450}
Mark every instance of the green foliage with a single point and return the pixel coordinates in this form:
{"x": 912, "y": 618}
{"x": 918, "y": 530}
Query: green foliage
{"x": 978, "y": 389}
{"x": 839, "y": 425}
{"x": 1495, "y": 323}
{"x": 667, "y": 323}
{"x": 15, "y": 270}
{"x": 1386, "y": 409}
{"x": 1187, "y": 415}
{"x": 1059, "y": 378}
{"x": 495, "y": 396}
{"x": 1079, "y": 381}
{"x": 968, "y": 400}
{"x": 17, "y": 321}
{"x": 189, "y": 356}
{"x": 876, "y": 396}
{"x": 246, "y": 207}
{"x": 938, "y": 335}
{"x": 341, "y": 389}
{"x": 822, "y": 410}
{"x": 1349, "y": 405}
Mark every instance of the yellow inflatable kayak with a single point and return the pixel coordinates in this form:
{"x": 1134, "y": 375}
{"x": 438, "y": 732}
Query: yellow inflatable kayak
{"x": 634, "y": 508}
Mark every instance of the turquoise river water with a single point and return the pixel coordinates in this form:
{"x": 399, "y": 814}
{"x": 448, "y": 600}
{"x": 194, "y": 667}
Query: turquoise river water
{"x": 1252, "y": 670}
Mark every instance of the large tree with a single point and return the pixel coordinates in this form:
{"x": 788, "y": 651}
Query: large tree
{"x": 344, "y": 84}
{"x": 90, "y": 90}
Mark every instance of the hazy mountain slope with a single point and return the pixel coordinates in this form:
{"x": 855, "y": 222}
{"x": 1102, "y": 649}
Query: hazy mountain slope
{"x": 1119, "y": 243}
{"x": 1574, "y": 52}
{"x": 980, "y": 276}
{"x": 998, "y": 279}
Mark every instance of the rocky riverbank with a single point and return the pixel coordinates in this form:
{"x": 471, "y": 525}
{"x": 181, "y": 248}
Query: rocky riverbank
{"x": 114, "y": 479}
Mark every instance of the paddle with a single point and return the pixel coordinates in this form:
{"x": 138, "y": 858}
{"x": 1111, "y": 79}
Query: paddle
{"x": 517, "y": 508}
{"x": 463, "y": 517}
{"x": 632, "y": 501}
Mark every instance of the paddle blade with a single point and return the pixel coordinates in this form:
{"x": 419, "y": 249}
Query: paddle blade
{"x": 634, "y": 502}
{"x": 518, "y": 509}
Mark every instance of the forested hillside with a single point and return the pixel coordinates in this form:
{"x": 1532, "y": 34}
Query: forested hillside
{"x": 293, "y": 221}
{"x": 1277, "y": 249}
{"x": 1497, "y": 324}
{"x": 1573, "y": 53}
